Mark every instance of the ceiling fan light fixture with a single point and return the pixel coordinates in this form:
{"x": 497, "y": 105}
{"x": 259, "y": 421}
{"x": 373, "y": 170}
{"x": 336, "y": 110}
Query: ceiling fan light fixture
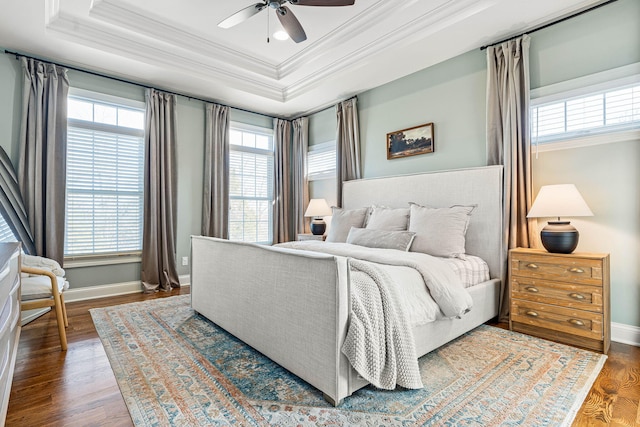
{"x": 281, "y": 35}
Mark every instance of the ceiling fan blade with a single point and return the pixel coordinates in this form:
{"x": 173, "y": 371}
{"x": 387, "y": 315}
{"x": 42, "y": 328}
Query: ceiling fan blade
{"x": 323, "y": 2}
{"x": 291, "y": 24}
{"x": 242, "y": 15}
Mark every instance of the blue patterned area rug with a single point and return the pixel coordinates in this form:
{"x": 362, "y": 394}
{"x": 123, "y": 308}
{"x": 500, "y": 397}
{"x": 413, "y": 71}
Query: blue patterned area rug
{"x": 175, "y": 368}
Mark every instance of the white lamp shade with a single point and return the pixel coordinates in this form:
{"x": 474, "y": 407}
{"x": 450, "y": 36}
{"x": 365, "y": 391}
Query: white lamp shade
{"x": 560, "y": 200}
{"x": 318, "y": 207}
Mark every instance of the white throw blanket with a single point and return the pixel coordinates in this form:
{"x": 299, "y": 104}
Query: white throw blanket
{"x": 379, "y": 342}
{"x": 42, "y": 263}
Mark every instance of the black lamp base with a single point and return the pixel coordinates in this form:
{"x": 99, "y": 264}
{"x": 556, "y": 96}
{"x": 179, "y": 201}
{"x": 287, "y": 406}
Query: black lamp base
{"x": 318, "y": 226}
{"x": 559, "y": 237}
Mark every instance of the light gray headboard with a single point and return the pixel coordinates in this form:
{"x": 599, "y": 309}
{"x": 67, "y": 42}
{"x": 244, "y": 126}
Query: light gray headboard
{"x": 474, "y": 186}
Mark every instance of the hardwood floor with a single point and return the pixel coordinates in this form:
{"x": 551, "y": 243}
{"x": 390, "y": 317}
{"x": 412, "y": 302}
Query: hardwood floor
{"x": 78, "y": 388}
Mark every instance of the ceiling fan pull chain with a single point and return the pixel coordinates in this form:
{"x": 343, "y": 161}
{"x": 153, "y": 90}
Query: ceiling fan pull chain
{"x": 268, "y": 27}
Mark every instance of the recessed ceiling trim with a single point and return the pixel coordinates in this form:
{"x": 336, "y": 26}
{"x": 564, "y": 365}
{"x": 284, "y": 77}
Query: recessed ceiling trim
{"x": 127, "y": 16}
{"x": 96, "y": 36}
{"x": 427, "y": 24}
{"x": 368, "y": 18}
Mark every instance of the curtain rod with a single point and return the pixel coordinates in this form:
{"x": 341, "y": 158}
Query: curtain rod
{"x": 321, "y": 109}
{"x": 542, "y": 27}
{"x": 118, "y": 79}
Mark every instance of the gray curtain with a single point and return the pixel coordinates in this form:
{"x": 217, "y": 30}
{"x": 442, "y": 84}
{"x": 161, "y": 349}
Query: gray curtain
{"x": 43, "y": 154}
{"x": 215, "y": 205}
{"x": 509, "y": 144}
{"x": 160, "y": 180}
{"x": 299, "y": 184}
{"x": 11, "y": 205}
{"x": 347, "y": 144}
{"x": 283, "y": 224}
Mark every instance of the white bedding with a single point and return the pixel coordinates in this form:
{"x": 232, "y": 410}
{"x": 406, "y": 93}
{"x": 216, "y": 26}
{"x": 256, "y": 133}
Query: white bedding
{"x": 472, "y": 271}
{"x": 420, "y": 306}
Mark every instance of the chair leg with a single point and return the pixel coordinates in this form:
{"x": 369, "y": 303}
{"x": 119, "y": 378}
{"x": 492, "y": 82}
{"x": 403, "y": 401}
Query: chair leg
{"x": 61, "y": 321}
{"x": 64, "y": 311}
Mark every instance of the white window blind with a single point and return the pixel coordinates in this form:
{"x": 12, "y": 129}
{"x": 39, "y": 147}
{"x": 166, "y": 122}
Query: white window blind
{"x": 251, "y": 184}
{"x": 321, "y": 161}
{"x": 611, "y": 110}
{"x": 6, "y": 235}
{"x": 105, "y": 154}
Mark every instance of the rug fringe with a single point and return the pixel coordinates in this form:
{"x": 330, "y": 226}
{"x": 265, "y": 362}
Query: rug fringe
{"x": 582, "y": 394}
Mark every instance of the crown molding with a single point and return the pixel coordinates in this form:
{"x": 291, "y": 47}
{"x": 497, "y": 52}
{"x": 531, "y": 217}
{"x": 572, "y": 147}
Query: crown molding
{"x": 102, "y": 37}
{"x": 356, "y": 25}
{"x": 447, "y": 14}
{"x": 127, "y": 16}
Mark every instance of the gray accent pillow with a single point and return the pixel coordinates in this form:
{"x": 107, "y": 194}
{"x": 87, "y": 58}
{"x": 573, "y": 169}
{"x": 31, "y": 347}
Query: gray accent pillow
{"x": 440, "y": 231}
{"x": 383, "y": 239}
{"x": 384, "y": 218}
{"x": 341, "y": 222}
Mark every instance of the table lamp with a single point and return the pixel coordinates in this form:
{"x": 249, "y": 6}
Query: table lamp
{"x": 317, "y": 209}
{"x": 560, "y": 200}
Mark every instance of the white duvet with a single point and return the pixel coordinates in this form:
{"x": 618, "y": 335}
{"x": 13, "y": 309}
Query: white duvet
{"x": 430, "y": 289}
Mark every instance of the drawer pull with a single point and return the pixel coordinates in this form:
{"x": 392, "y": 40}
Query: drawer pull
{"x": 577, "y": 296}
{"x": 576, "y": 322}
{"x": 532, "y": 289}
{"x": 531, "y": 313}
{"x": 576, "y": 270}
{"x": 532, "y": 265}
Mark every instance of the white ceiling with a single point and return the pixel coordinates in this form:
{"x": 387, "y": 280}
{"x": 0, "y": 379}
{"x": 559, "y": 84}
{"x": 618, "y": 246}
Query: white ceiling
{"x": 177, "y": 45}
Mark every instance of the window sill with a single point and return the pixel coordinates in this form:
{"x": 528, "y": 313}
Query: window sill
{"x": 91, "y": 261}
{"x": 587, "y": 141}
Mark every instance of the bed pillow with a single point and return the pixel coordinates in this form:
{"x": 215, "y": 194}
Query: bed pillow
{"x": 342, "y": 220}
{"x": 440, "y": 231}
{"x": 383, "y": 239}
{"x": 384, "y": 218}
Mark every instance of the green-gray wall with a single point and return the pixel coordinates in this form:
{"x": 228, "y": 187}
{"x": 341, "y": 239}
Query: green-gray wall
{"x": 190, "y": 159}
{"x": 452, "y": 95}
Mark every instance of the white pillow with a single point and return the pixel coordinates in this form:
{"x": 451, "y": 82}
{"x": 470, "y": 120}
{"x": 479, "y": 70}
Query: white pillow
{"x": 383, "y": 239}
{"x": 342, "y": 221}
{"x": 440, "y": 231}
{"x": 384, "y": 218}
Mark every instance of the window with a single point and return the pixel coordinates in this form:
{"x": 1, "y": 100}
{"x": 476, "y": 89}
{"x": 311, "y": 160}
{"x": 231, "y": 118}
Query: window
{"x": 6, "y": 235}
{"x": 321, "y": 161}
{"x": 587, "y": 112}
{"x": 105, "y": 154}
{"x": 250, "y": 184}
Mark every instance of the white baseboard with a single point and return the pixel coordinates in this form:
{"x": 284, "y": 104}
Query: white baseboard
{"x": 625, "y": 334}
{"x": 102, "y": 291}
{"x": 30, "y": 315}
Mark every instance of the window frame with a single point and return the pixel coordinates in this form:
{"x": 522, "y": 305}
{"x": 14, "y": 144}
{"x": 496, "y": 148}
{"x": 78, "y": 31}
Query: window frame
{"x": 264, "y": 131}
{"x": 593, "y": 84}
{"x": 107, "y": 258}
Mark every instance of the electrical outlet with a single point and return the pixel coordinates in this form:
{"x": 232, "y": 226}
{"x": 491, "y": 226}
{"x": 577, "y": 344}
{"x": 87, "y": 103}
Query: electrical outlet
{"x": 185, "y": 260}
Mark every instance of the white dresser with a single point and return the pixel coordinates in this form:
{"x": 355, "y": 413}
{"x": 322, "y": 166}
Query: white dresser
{"x": 9, "y": 319}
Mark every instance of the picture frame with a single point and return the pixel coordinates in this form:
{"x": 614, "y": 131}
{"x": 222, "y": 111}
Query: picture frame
{"x": 411, "y": 141}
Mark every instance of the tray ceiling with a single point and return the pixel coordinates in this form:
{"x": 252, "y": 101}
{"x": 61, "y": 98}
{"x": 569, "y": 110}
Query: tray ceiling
{"x": 178, "y": 46}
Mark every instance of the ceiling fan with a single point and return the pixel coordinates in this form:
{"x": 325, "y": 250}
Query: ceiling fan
{"x": 288, "y": 20}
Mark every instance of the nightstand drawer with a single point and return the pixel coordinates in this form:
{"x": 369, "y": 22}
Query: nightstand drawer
{"x": 582, "y": 297}
{"x": 567, "y": 320}
{"x": 579, "y": 270}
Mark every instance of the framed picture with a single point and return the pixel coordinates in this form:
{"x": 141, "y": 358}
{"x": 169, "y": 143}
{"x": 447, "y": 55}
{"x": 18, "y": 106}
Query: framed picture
{"x": 410, "y": 142}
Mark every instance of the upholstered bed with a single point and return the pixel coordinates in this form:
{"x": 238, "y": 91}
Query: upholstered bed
{"x": 294, "y": 306}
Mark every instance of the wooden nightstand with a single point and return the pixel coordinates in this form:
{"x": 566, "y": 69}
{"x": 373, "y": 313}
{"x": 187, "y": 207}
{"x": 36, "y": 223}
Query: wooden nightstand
{"x": 307, "y": 236}
{"x": 561, "y": 297}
